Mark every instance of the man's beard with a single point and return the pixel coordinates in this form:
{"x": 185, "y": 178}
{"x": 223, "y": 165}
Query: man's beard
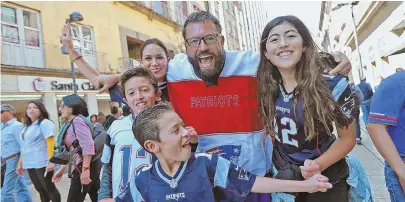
{"x": 210, "y": 76}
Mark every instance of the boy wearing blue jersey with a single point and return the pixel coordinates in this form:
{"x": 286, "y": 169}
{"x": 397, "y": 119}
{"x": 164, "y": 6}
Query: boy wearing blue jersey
{"x": 387, "y": 130}
{"x": 179, "y": 175}
{"x": 123, "y": 156}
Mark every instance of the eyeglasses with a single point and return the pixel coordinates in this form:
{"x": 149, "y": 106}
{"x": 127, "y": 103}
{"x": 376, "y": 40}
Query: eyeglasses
{"x": 209, "y": 39}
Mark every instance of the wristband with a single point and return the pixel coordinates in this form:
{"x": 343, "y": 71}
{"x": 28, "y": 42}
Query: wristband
{"x": 78, "y": 57}
{"x": 86, "y": 167}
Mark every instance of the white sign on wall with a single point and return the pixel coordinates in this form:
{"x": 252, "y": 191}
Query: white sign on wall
{"x": 49, "y": 84}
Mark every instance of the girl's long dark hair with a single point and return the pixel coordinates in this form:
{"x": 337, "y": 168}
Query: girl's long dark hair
{"x": 43, "y": 113}
{"x": 319, "y": 107}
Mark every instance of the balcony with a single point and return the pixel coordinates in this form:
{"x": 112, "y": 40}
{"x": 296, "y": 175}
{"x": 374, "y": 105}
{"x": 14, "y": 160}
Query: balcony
{"x": 45, "y": 59}
{"x": 158, "y": 10}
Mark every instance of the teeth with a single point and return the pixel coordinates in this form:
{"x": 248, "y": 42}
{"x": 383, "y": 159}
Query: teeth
{"x": 284, "y": 54}
{"x": 141, "y": 104}
{"x": 205, "y": 56}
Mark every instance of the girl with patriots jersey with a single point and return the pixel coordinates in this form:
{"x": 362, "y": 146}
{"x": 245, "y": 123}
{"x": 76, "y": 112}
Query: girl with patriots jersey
{"x": 298, "y": 106}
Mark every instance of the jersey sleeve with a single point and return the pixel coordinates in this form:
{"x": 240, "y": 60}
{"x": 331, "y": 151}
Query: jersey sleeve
{"x": 130, "y": 194}
{"x": 234, "y": 181}
{"x": 387, "y": 102}
{"x": 345, "y": 97}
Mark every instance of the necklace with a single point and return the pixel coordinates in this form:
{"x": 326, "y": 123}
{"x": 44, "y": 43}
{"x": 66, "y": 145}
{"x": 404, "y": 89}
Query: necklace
{"x": 286, "y": 97}
{"x": 173, "y": 183}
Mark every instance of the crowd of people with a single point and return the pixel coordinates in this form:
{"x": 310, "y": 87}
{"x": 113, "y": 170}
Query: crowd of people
{"x": 214, "y": 125}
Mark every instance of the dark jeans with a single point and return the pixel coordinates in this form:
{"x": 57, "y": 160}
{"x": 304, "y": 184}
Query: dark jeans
{"x": 3, "y": 170}
{"x": 44, "y": 185}
{"x": 339, "y": 193}
{"x": 77, "y": 191}
{"x": 358, "y": 130}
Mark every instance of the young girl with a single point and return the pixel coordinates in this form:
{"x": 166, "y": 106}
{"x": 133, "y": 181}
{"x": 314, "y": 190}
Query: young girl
{"x": 298, "y": 106}
{"x": 37, "y": 144}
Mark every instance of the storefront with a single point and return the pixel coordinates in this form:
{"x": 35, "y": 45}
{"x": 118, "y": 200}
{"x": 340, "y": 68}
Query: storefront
{"x": 20, "y": 90}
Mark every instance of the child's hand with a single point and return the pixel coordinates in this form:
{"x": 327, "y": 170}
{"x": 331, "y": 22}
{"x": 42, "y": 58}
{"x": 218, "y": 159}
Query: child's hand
{"x": 318, "y": 182}
{"x": 310, "y": 168}
{"x": 193, "y": 134}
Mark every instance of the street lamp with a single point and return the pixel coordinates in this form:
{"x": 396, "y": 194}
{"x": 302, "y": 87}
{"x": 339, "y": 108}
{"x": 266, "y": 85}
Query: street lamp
{"x": 73, "y": 17}
{"x": 354, "y": 3}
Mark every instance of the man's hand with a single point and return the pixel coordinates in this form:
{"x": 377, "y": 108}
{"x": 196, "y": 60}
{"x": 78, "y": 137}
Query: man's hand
{"x": 193, "y": 134}
{"x": 344, "y": 67}
{"x": 19, "y": 170}
{"x": 310, "y": 168}
{"x": 318, "y": 182}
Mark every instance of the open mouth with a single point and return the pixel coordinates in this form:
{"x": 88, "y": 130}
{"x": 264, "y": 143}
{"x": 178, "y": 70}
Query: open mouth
{"x": 285, "y": 54}
{"x": 141, "y": 105}
{"x": 206, "y": 61}
{"x": 187, "y": 145}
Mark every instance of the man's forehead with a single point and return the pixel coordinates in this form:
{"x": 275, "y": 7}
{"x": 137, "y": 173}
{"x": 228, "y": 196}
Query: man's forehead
{"x": 200, "y": 29}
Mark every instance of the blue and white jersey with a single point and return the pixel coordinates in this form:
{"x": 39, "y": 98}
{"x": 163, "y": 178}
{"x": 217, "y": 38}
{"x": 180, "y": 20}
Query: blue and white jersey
{"x": 124, "y": 153}
{"x": 291, "y": 143}
{"x": 204, "y": 177}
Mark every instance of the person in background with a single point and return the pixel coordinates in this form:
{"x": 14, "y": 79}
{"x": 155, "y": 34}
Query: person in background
{"x": 367, "y": 94}
{"x": 10, "y": 152}
{"x": 85, "y": 172}
{"x": 93, "y": 119}
{"x": 101, "y": 117}
{"x": 37, "y": 147}
{"x": 387, "y": 131}
{"x": 360, "y": 98}
{"x": 126, "y": 110}
{"x": 115, "y": 113}
{"x": 398, "y": 69}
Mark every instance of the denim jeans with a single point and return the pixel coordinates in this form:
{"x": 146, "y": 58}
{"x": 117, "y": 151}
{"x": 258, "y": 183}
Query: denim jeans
{"x": 365, "y": 108}
{"x": 393, "y": 185}
{"x": 14, "y": 184}
{"x": 358, "y": 130}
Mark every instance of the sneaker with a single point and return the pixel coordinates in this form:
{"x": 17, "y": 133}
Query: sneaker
{"x": 358, "y": 140}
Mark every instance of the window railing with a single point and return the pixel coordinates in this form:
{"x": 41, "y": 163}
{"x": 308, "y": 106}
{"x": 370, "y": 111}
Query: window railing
{"x": 48, "y": 56}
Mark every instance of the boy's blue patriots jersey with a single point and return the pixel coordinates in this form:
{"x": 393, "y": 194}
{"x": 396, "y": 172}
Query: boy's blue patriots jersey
{"x": 204, "y": 177}
{"x": 124, "y": 153}
{"x": 290, "y": 136}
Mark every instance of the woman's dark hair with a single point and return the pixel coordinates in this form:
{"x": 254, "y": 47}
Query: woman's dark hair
{"x": 91, "y": 117}
{"x": 319, "y": 107}
{"x": 156, "y": 42}
{"x": 77, "y": 104}
{"x": 43, "y": 113}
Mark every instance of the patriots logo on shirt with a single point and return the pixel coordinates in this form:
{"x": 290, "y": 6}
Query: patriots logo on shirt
{"x": 175, "y": 196}
{"x": 230, "y": 152}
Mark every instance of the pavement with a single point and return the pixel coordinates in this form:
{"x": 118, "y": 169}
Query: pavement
{"x": 371, "y": 160}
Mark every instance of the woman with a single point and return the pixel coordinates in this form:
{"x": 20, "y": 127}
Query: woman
{"x": 297, "y": 108}
{"x": 78, "y": 139}
{"x": 37, "y": 144}
{"x": 93, "y": 119}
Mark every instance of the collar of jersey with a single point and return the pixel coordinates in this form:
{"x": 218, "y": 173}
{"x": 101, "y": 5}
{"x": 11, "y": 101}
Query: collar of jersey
{"x": 162, "y": 174}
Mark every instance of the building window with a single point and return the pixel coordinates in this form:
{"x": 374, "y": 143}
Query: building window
{"x": 21, "y": 37}
{"x": 181, "y": 11}
{"x": 161, "y": 8}
{"x": 11, "y": 26}
{"x": 82, "y": 37}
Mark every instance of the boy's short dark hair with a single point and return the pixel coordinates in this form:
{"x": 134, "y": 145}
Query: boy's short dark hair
{"x": 145, "y": 126}
{"x": 114, "y": 109}
{"x": 140, "y": 72}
